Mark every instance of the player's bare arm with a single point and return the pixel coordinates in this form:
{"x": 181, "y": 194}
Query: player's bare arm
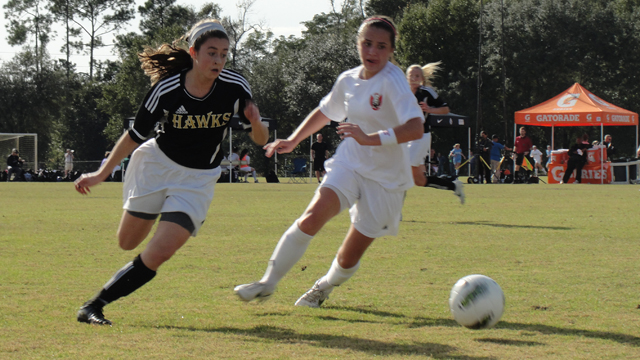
{"x": 124, "y": 147}
{"x": 259, "y": 132}
{"x": 312, "y": 124}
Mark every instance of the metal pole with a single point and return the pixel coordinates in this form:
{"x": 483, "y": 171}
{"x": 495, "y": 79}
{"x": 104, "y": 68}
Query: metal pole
{"x": 37, "y": 169}
{"x": 469, "y": 151}
{"x": 601, "y": 154}
{"x": 479, "y": 84}
{"x": 275, "y": 136}
{"x": 230, "y": 152}
{"x": 504, "y": 77}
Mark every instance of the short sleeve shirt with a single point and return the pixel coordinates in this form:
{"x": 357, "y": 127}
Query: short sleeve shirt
{"x": 320, "y": 151}
{"x": 379, "y": 103}
{"x": 429, "y": 96}
{"x": 523, "y": 144}
{"x": 191, "y": 128}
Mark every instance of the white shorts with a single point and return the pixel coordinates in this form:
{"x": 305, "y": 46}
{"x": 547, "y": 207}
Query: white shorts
{"x": 419, "y": 150}
{"x": 375, "y": 211}
{"x": 155, "y": 184}
{"x": 68, "y": 166}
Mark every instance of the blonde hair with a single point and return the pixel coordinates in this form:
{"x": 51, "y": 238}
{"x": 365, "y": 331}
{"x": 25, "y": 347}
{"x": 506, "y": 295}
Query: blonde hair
{"x": 170, "y": 59}
{"x": 428, "y": 71}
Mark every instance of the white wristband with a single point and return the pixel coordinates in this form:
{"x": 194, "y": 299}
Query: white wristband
{"x": 388, "y": 137}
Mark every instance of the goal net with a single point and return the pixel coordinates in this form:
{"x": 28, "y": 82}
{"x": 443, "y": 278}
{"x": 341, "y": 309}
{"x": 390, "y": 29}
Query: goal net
{"x": 27, "y": 146}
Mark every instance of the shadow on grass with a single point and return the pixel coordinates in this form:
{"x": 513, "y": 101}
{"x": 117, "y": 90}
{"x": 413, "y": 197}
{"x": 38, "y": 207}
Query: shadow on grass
{"x": 417, "y": 322}
{"x": 487, "y": 223}
{"x": 373, "y": 347}
{"x": 509, "y": 342}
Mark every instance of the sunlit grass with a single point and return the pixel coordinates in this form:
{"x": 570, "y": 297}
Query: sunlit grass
{"x": 566, "y": 257}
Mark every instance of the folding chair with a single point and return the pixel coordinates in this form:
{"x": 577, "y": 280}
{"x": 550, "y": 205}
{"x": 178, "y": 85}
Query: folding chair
{"x": 297, "y": 171}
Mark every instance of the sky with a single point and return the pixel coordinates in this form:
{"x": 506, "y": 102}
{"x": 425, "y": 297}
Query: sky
{"x": 283, "y": 17}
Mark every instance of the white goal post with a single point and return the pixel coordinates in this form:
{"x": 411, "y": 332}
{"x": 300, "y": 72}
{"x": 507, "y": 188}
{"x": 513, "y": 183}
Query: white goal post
{"x": 27, "y": 146}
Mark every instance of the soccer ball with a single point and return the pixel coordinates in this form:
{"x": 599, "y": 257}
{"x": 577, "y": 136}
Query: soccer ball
{"x": 476, "y": 302}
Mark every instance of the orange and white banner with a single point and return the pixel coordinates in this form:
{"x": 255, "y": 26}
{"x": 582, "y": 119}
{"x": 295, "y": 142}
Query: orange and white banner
{"x": 591, "y": 173}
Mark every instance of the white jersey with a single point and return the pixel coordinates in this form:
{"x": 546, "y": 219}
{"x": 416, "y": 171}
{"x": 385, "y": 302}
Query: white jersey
{"x": 537, "y": 155}
{"x": 382, "y": 102}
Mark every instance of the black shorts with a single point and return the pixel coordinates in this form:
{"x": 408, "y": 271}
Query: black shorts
{"x": 520, "y": 158}
{"x": 318, "y": 164}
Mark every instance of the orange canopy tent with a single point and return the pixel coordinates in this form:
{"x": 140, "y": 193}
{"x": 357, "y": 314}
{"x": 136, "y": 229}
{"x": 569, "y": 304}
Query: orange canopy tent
{"x": 576, "y": 106}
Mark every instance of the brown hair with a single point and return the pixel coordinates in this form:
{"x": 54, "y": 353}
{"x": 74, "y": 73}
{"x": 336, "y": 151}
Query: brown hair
{"x": 380, "y": 22}
{"x": 169, "y": 59}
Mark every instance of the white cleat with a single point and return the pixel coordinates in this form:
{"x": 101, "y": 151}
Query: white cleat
{"x": 314, "y": 297}
{"x": 256, "y": 290}
{"x": 459, "y": 191}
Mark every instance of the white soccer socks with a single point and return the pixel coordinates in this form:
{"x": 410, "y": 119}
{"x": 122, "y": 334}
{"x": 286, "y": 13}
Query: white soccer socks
{"x": 289, "y": 250}
{"x": 336, "y": 275}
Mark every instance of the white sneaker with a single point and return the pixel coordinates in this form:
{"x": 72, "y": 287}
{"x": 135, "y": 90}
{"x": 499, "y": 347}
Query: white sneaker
{"x": 256, "y": 290}
{"x": 314, "y": 297}
{"x": 459, "y": 191}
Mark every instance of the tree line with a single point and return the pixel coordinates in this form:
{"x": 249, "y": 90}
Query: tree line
{"x": 498, "y": 56}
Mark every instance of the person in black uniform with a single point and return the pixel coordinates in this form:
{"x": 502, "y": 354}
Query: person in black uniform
{"x": 577, "y": 159}
{"x": 484, "y": 146}
{"x": 319, "y": 153}
{"x": 419, "y": 78}
{"x": 194, "y": 98}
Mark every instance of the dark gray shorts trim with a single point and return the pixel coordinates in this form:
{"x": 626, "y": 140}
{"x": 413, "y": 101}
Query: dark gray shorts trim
{"x": 142, "y": 215}
{"x": 179, "y": 218}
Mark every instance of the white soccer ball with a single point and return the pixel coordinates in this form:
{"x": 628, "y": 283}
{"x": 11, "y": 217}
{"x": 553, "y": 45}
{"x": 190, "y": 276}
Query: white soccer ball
{"x": 476, "y": 302}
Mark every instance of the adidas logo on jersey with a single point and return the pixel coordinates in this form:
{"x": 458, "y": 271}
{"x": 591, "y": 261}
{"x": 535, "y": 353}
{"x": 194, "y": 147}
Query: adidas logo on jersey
{"x": 181, "y": 110}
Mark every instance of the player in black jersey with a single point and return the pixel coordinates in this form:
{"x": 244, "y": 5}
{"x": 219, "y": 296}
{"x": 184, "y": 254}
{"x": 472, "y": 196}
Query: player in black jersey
{"x": 173, "y": 173}
{"x": 419, "y": 78}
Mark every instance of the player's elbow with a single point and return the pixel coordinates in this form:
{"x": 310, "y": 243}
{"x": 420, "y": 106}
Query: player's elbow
{"x": 415, "y": 129}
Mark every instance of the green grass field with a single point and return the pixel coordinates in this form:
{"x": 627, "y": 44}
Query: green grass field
{"x": 566, "y": 257}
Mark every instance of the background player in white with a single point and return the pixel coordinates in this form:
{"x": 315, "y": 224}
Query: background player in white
{"x": 420, "y": 81}
{"x": 537, "y": 157}
{"x": 369, "y": 172}
{"x": 195, "y": 98}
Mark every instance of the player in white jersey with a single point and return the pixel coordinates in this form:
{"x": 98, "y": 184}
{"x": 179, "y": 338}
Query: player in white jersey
{"x": 369, "y": 172}
{"x": 419, "y": 78}
{"x": 173, "y": 173}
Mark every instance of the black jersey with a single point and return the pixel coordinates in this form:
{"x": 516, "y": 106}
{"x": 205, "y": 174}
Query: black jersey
{"x": 191, "y": 129}
{"x": 429, "y": 96}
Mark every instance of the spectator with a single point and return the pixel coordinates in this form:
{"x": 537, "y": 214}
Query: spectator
{"x": 245, "y": 168}
{"x": 537, "y": 157}
{"x": 496, "y": 156}
{"x": 610, "y": 150}
{"x": 234, "y": 164}
{"x": 15, "y": 163}
{"x": 68, "y": 162}
{"x": 319, "y": 153}
{"x": 456, "y": 155}
{"x": 548, "y": 157}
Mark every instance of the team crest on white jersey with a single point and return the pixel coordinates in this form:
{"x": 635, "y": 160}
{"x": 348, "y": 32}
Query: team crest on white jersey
{"x": 181, "y": 110}
{"x": 376, "y": 101}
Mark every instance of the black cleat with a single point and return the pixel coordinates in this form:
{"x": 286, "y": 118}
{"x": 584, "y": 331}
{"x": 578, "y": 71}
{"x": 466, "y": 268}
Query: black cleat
{"x": 92, "y": 315}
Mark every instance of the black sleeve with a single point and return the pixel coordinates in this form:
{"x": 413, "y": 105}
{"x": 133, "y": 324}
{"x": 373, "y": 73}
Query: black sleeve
{"x": 148, "y": 114}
